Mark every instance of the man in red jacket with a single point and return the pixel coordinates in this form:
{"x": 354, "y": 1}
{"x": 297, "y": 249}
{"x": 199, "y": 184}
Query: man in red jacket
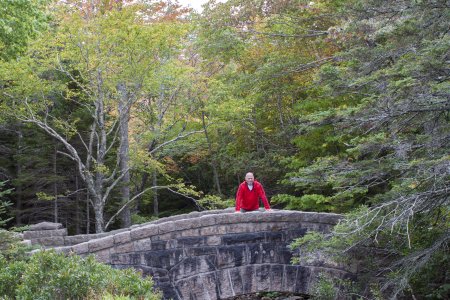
{"x": 249, "y": 193}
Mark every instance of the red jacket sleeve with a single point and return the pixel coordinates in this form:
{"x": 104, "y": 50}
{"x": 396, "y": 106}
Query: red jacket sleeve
{"x": 262, "y": 195}
{"x": 239, "y": 198}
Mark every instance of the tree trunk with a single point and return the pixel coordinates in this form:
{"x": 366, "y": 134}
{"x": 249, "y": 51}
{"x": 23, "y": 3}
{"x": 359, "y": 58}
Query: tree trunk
{"x": 124, "y": 156}
{"x": 18, "y": 172}
{"x": 55, "y": 188}
{"x": 77, "y": 207}
{"x": 213, "y": 161}
{"x": 99, "y": 219}
{"x": 155, "y": 195}
{"x": 88, "y": 217}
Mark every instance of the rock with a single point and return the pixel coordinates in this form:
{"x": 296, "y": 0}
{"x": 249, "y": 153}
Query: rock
{"x": 45, "y": 226}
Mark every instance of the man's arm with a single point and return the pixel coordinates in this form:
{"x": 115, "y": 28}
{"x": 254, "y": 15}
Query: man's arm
{"x": 262, "y": 195}
{"x": 238, "y": 199}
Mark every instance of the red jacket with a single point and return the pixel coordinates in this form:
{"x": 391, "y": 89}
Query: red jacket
{"x": 249, "y": 200}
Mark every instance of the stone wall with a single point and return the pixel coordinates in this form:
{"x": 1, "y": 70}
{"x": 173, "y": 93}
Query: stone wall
{"x": 215, "y": 254}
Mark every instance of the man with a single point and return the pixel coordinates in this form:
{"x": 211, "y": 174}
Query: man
{"x": 248, "y": 194}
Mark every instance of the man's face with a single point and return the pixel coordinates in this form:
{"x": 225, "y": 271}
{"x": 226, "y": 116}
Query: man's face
{"x": 249, "y": 178}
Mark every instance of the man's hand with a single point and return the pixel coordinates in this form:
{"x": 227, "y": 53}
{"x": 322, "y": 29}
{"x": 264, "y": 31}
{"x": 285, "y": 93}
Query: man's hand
{"x": 269, "y": 210}
{"x": 237, "y": 211}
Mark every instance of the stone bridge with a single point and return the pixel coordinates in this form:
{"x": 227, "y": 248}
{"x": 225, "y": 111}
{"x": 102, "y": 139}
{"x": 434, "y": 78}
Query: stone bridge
{"x": 211, "y": 255}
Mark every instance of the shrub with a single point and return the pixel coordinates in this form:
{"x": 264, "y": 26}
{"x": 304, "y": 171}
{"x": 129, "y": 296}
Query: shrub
{"x": 51, "y": 275}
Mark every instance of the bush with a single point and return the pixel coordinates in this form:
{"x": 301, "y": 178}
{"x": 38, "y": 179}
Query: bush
{"x": 51, "y": 275}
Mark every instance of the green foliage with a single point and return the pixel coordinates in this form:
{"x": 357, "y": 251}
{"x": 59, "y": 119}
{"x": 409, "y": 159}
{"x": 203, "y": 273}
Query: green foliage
{"x": 49, "y": 275}
{"x": 139, "y": 219}
{"x": 4, "y": 205}
{"x": 310, "y": 202}
{"x": 324, "y": 288}
{"x": 215, "y": 202}
{"x": 20, "y": 21}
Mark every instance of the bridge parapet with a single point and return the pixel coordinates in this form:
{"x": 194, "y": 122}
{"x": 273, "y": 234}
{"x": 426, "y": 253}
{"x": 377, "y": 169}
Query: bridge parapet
{"x": 216, "y": 254}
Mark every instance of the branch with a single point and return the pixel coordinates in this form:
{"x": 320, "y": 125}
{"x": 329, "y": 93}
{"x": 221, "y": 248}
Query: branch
{"x": 175, "y": 139}
{"x": 116, "y": 181}
{"x": 301, "y": 36}
{"x": 193, "y": 199}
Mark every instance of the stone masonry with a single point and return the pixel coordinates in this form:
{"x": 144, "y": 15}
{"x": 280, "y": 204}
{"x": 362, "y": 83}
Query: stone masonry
{"x": 214, "y": 254}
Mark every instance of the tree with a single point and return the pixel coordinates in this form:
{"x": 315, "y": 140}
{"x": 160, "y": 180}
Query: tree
{"x": 101, "y": 64}
{"x": 395, "y": 130}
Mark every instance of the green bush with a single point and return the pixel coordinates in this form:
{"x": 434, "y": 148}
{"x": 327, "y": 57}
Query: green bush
{"x": 51, "y": 275}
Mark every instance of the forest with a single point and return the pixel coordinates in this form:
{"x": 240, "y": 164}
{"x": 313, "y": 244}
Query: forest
{"x": 119, "y": 112}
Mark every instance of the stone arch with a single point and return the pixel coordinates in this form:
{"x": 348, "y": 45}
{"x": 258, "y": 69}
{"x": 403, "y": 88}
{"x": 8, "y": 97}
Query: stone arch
{"x": 217, "y": 254}
{"x": 250, "y": 279}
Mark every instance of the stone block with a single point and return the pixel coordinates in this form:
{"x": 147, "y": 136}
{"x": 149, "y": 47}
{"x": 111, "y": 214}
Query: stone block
{"x": 223, "y": 219}
{"x": 171, "y": 244}
{"x": 167, "y": 227}
{"x": 123, "y": 237}
{"x": 65, "y": 250}
{"x": 45, "y": 226}
{"x": 186, "y": 288}
{"x": 144, "y": 232}
{"x": 213, "y": 240}
{"x": 160, "y": 274}
{"x": 76, "y": 239}
{"x": 262, "y": 276}
{"x": 287, "y": 216}
{"x": 276, "y": 277}
{"x": 248, "y": 279}
{"x": 222, "y": 229}
{"x": 199, "y": 251}
{"x": 190, "y": 232}
{"x": 209, "y": 230}
{"x": 289, "y": 278}
{"x": 137, "y": 259}
{"x": 255, "y": 253}
{"x": 224, "y": 284}
{"x": 142, "y": 245}
{"x": 53, "y": 241}
{"x": 292, "y": 234}
{"x": 103, "y": 256}
{"x": 231, "y": 256}
{"x": 274, "y": 237}
{"x": 269, "y": 253}
{"x": 241, "y": 228}
{"x": 81, "y": 248}
{"x": 197, "y": 287}
{"x": 158, "y": 245}
{"x": 185, "y": 224}
{"x": 303, "y": 279}
{"x": 269, "y": 217}
{"x": 191, "y": 241}
{"x": 163, "y": 259}
{"x": 237, "y": 218}
{"x": 208, "y": 220}
{"x": 192, "y": 266}
{"x": 283, "y": 254}
{"x": 102, "y": 243}
{"x": 209, "y": 281}
{"x": 124, "y": 248}
{"x": 120, "y": 259}
{"x": 243, "y": 238}
{"x": 264, "y": 226}
{"x": 237, "y": 282}
{"x": 28, "y": 235}
{"x": 329, "y": 218}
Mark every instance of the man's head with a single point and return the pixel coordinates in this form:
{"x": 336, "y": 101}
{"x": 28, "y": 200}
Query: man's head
{"x": 249, "y": 178}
